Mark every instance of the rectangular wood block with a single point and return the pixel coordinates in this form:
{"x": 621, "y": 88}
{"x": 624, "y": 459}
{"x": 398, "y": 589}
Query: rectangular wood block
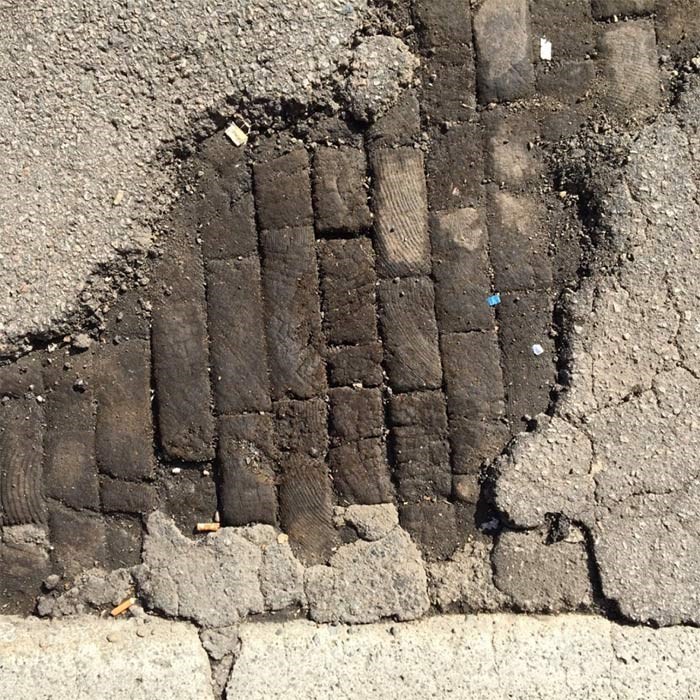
{"x": 461, "y": 271}
{"x": 340, "y": 192}
{"x": 181, "y": 360}
{"x": 348, "y": 284}
{"x": 237, "y": 336}
{"x": 401, "y": 212}
{"x": 248, "y": 482}
{"x": 410, "y": 334}
{"x": 293, "y": 317}
{"x": 124, "y": 428}
{"x": 70, "y": 463}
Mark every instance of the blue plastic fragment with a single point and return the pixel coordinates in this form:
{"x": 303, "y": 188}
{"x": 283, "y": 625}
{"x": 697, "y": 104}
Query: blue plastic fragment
{"x": 494, "y": 300}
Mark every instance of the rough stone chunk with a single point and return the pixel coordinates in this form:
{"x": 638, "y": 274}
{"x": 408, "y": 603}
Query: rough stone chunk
{"x": 340, "y": 194}
{"x": 541, "y": 577}
{"x": 248, "y": 491}
{"x": 360, "y": 472}
{"x": 401, "y": 212}
{"x": 360, "y": 364}
{"x": 503, "y": 50}
{"x": 181, "y": 359}
{"x": 348, "y": 285}
{"x": 647, "y": 552}
{"x": 124, "y": 430}
{"x": 281, "y": 577}
{"x": 94, "y": 590}
{"x": 465, "y": 581}
{"x": 290, "y": 291}
{"x": 368, "y": 581}
{"x": 461, "y": 271}
{"x": 213, "y": 581}
{"x": 455, "y": 167}
{"x": 21, "y": 490}
{"x": 283, "y": 191}
{"x": 630, "y": 64}
{"x": 70, "y": 464}
{"x": 380, "y": 68}
{"x": 606, "y": 9}
{"x": 519, "y": 244}
{"x": 407, "y": 312}
{"x": 548, "y": 471}
{"x": 237, "y": 336}
{"x": 372, "y": 522}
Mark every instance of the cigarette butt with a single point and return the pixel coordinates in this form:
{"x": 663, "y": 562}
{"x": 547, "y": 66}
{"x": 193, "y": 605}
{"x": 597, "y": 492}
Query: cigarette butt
{"x": 237, "y": 136}
{"x": 122, "y": 607}
{"x": 208, "y": 527}
{"x": 118, "y": 198}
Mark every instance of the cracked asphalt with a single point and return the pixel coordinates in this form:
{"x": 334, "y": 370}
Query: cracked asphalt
{"x": 620, "y": 454}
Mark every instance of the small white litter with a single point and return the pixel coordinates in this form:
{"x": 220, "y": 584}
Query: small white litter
{"x": 118, "y": 198}
{"x": 237, "y": 136}
{"x": 538, "y": 349}
{"x": 545, "y": 49}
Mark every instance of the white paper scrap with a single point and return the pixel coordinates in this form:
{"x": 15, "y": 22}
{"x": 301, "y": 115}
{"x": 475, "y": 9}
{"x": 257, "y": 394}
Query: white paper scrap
{"x": 545, "y": 49}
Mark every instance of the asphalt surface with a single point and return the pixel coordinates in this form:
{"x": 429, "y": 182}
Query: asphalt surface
{"x": 94, "y": 98}
{"x": 621, "y": 453}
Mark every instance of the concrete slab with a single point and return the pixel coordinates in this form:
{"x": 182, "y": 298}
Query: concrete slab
{"x": 494, "y": 657}
{"x": 86, "y": 657}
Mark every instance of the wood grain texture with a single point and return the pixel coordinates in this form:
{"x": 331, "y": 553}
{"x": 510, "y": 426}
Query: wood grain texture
{"x": 410, "y": 334}
{"x": 401, "y": 212}
{"x": 293, "y": 316}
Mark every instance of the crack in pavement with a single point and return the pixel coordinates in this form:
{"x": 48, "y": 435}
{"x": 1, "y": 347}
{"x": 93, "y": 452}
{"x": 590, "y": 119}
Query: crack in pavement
{"x": 634, "y": 391}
